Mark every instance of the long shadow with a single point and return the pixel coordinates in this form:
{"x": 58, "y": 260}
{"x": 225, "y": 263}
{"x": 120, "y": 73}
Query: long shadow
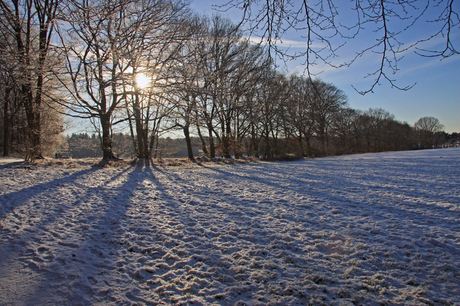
{"x": 11, "y": 165}
{"x": 376, "y": 209}
{"x": 262, "y": 247}
{"x": 244, "y": 215}
{"x": 236, "y": 200}
{"x": 314, "y": 185}
{"x": 107, "y": 242}
{"x": 57, "y": 208}
{"x": 88, "y": 250}
{"x": 92, "y": 255}
{"x": 84, "y": 270}
{"x": 202, "y": 248}
{"x": 15, "y": 199}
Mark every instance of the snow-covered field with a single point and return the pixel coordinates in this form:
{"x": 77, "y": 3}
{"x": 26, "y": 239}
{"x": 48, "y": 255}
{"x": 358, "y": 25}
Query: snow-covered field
{"x": 373, "y": 229}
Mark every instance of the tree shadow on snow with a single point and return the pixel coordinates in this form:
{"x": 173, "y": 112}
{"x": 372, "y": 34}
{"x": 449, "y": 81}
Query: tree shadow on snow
{"x": 60, "y": 243}
{"x": 17, "y": 198}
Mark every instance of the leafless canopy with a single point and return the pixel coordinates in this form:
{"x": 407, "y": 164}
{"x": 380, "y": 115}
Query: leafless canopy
{"x": 327, "y": 25}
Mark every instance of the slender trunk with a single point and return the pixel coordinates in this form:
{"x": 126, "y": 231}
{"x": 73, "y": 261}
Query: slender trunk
{"x": 203, "y": 142}
{"x": 254, "y": 142}
{"x": 145, "y": 135}
{"x": 322, "y": 136}
{"x": 139, "y": 129}
{"x": 267, "y": 154}
{"x": 186, "y": 129}
{"x": 307, "y": 141}
{"x": 6, "y": 124}
{"x": 153, "y": 141}
{"x": 299, "y": 139}
{"x": 131, "y": 129}
{"x": 212, "y": 149}
{"x": 106, "y": 138}
{"x": 35, "y": 139}
{"x": 225, "y": 146}
{"x": 33, "y": 124}
{"x": 227, "y": 139}
{"x": 6, "y": 138}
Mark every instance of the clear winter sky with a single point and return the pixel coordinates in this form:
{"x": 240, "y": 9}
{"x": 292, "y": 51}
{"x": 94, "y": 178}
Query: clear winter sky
{"x": 437, "y": 89}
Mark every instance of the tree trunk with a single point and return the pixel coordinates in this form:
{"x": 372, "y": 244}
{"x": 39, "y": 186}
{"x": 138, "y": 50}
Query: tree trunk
{"x": 6, "y": 138}
{"x": 299, "y": 139}
{"x": 140, "y": 140}
{"x": 225, "y": 146}
{"x": 212, "y": 149}
{"x": 106, "y": 138}
{"x": 203, "y": 142}
{"x": 6, "y": 123}
{"x": 33, "y": 122}
{"x": 254, "y": 142}
{"x": 186, "y": 130}
{"x": 142, "y": 134}
{"x": 131, "y": 129}
{"x": 322, "y": 136}
{"x": 307, "y": 141}
{"x": 226, "y": 139}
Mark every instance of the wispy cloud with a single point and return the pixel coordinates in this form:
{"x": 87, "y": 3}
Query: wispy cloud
{"x": 315, "y": 70}
{"x": 432, "y": 63}
{"x": 285, "y": 43}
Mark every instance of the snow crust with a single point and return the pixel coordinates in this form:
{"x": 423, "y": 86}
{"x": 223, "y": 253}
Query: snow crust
{"x": 372, "y": 229}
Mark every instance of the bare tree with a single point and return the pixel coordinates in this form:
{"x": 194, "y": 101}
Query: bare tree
{"x": 187, "y": 73}
{"x": 218, "y": 47}
{"x": 299, "y": 113}
{"x": 426, "y": 128}
{"x": 378, "y": 121}
{"x": 327, "y": 100}
{"x": 91, "y": 45}
{"x": 11, "y": 102}
{"x": 224, "y": 50}
{"x": 154, "y": 37}
{"x": 108, "y": 45}
{"x": 399, "y": 136}
{"x": 270, "y": 105}
{"x": 345, "y": 125}
{"x": 11, "y": 107}
{"x": 31, "y": 24}
{"x": 232, "y": 66}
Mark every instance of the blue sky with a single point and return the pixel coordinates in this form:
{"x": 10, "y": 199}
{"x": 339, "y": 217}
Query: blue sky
{"x": 437, "y": 82}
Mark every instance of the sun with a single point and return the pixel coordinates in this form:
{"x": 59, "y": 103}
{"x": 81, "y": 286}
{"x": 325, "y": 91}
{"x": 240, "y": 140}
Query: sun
{"x": 142, "y": 80}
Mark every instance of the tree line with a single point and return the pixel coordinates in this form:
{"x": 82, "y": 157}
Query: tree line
{"x": 152, "y": 66}
{"x": 84, "y": 145}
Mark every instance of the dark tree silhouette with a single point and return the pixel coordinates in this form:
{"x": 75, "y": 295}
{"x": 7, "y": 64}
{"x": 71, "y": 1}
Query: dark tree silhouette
{"x": 30, "y": 24}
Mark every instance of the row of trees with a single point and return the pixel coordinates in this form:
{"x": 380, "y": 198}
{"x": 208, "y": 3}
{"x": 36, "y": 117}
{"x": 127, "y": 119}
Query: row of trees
{"x": 151, "y": 66}
{"x": 358, "y": 131}
{"x": 84, "y": 145}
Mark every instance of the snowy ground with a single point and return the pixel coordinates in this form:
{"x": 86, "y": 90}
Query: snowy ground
{"x": 373, "y": 229}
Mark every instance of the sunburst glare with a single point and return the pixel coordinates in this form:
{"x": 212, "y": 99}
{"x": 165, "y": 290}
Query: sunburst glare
{"x": 142, "y": 80}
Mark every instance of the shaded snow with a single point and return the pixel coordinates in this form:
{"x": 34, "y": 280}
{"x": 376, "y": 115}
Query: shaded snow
{"x": 372, "y": 229}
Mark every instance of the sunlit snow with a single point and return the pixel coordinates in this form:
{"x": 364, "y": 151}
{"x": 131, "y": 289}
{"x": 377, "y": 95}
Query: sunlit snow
{"x": 373, "y": 229}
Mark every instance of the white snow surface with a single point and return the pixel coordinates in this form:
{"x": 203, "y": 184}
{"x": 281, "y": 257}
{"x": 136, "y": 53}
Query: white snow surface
{"x": 369, "y": 229}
